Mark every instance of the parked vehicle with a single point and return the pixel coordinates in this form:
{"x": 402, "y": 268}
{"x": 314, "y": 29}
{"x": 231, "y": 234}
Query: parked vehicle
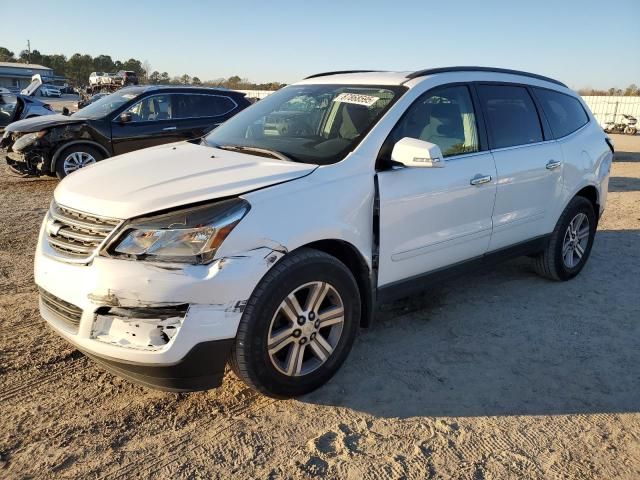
{"x": 628, "y": 125}
{"x": 15, "y": 107}
{"x": 67, "y": 89}
{"x": 131, "y": 119}
{"x": 268, "y": 243}
{"x": 111, "y": 79}
{"x": 50, "y": 91}
{"x": 96, "y": 78}
{"x": 129, "y": 77}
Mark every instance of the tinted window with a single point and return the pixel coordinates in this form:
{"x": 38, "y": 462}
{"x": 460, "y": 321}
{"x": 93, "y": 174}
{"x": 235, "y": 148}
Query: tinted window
{"x": 444, "y": 117}
{"x": 565, "y": 113}
{"x": 153, "y": 108}
{"x": 195, "y": 106}
{"x": 511, "y": 115}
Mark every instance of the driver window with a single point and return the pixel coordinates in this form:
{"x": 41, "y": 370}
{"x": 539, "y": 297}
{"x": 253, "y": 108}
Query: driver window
{"x": 150, "y": 109}
{"x": 444, "y": 117}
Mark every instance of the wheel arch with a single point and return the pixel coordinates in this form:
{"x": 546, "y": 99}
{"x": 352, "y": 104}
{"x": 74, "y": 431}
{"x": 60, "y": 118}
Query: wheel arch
{"x": 355, "y": 262}
{"x": 590, "y": 192}
{"x": 64, "y": 146}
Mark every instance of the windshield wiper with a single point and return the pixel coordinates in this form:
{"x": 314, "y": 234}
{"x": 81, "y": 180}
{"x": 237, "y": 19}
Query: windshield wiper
{"x": 262, "y": 152}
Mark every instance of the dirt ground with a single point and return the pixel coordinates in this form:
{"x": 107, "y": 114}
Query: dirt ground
{"x": 493, "y": 376}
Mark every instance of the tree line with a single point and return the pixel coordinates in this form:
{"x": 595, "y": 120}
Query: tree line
{"x": 631, "y": 91}
{"x": 78, "y": 67}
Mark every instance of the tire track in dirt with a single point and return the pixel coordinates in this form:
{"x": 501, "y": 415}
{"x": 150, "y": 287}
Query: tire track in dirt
{"x": 246, "y": 402}
{"x": 33, "y": 384}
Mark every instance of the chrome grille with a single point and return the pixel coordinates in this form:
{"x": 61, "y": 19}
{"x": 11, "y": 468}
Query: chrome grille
{"x": 76, "y": 235}
{"x": 66, "y": 311}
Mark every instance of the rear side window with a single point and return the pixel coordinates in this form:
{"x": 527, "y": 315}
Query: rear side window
{"x": 565, "y": 113}
{"x": 511, "y": 115}
{"x": 196, "y": 106}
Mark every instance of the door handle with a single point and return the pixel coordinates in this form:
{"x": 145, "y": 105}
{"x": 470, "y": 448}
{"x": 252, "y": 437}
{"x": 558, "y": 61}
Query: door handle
{"x": 480, "y": 179}
{"x": 168, "y": 129}
{"x": 551, "y": 164}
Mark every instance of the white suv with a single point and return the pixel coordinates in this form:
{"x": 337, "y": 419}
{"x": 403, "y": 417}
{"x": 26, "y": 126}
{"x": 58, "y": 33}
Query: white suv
{"x": 270, "y": 241}
{"x": 96, "y": 78}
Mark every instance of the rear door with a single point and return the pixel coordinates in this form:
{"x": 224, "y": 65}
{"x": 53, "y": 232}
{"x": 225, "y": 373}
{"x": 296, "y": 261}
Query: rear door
{"x": 435, "y": 217}
{"x": 528, "y": 163}
{"x": 199, "y": 113}
{"x": 152, "y": 123}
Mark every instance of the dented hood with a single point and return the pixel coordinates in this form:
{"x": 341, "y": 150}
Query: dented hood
{"x": 169, "y": 176}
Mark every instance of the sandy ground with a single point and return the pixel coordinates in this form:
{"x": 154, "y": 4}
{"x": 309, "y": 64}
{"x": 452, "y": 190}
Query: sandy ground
{"x": 494, "y": 376}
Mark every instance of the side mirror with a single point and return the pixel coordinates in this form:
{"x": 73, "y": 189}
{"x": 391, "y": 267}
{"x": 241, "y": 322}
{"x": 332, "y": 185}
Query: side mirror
{"x": 125, "y": 117}
{"x": 65, "y": 111}
{"x": 412, "y": 152}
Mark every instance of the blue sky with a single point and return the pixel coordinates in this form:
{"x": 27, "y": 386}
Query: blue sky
{"x": 583, "y": 43}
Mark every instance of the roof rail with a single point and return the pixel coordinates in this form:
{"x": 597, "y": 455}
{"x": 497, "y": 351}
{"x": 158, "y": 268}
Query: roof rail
{"x": 339, "y": 72}
{"x": 431, "y": 71}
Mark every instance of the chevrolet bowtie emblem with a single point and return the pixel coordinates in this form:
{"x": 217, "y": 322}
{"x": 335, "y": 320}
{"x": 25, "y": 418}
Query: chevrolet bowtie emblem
{"x": 53, "y": 227}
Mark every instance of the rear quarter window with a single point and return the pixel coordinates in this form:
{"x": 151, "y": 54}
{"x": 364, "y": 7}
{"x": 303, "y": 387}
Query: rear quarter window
{"x": 564, "y": 112}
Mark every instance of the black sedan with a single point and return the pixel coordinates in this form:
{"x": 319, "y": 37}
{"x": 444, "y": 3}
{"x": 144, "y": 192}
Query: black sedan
{"x": 130, "y": 119}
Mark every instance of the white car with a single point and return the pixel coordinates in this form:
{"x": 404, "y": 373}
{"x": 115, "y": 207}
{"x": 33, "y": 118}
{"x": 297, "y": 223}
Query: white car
{"x": 269, "y": 243}
{"x": 96, "y": 78}
{"x": 50, "y": 91}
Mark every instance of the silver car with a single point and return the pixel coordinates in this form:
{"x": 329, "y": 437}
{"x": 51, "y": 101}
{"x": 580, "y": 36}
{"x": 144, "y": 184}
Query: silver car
{"x": 18, "y": 107}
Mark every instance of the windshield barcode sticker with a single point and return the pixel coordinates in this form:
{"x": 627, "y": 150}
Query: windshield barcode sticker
{"x": 357, "y": 99}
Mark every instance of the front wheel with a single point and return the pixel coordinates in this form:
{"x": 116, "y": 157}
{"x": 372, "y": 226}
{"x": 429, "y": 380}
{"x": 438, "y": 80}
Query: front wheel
{"x": 76, "y": 157}
{"x": 298, "y": 326}
{"x": 570, "y": 243}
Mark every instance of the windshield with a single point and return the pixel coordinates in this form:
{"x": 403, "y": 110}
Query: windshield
{"x": 105, "y": 105}
{"x": 316, "y": 124}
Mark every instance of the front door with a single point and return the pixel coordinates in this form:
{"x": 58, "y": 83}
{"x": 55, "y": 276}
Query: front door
{"x": 152, "y": 123}
{"x": 435, "y": 217}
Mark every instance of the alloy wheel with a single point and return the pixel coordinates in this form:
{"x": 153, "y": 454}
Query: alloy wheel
{"x": 77, "y": 160}
{"x": 575, "y": 242}
{"x": 305, "y": 329}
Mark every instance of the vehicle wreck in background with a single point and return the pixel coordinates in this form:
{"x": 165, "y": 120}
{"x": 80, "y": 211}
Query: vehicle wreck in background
{"x": 131, "y": 119}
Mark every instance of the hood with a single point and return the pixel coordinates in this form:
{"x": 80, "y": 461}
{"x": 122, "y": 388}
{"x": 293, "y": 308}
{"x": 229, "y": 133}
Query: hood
{"x": 36, "y": 124}
{"x": 169, "y": 176}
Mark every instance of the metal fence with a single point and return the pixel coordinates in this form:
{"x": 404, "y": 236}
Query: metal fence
{"x": 611, "y": 108}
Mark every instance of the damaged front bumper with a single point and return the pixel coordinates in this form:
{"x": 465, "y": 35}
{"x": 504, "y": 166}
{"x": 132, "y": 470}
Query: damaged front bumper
{"x": 166, "y": 326}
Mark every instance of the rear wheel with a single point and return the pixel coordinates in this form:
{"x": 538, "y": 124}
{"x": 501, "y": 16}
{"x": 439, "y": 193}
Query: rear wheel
{"x": 76, "y": 157}
{"x": 570, "y": 243}
{"x": 298, "y": 326}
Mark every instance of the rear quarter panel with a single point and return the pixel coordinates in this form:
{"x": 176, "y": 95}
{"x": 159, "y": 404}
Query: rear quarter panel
{"x": 587, "y": 162}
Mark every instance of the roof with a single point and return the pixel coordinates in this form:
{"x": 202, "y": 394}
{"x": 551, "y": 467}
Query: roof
{"x": 30, "y": 66}
{"x": 377, "y": 77}
{"x": 180, "y": 88}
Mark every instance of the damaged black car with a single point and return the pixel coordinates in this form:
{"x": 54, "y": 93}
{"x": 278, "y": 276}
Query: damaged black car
{"x": 130, "y": 119}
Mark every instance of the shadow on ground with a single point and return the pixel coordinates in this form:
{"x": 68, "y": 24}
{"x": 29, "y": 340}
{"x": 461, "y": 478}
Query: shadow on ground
{"x": 626, "y": 157}
{"x": 624, "y": 184}
{"x": 505, "y": 342}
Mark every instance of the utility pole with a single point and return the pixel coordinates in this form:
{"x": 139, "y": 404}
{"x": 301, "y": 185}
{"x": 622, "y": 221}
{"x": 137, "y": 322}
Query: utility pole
{"x": 29, "y": 50}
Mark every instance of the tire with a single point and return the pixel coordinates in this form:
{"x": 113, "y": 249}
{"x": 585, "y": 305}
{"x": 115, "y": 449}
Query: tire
{"x": 251, "y": 359}
{"x": 551, "y": 263}
{"x": 80, "y": 152}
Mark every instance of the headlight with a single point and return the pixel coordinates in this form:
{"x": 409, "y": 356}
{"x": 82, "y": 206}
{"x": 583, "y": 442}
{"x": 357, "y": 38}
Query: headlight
{"x": 28, "y": 139}
{"x": 187, "y": 236}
